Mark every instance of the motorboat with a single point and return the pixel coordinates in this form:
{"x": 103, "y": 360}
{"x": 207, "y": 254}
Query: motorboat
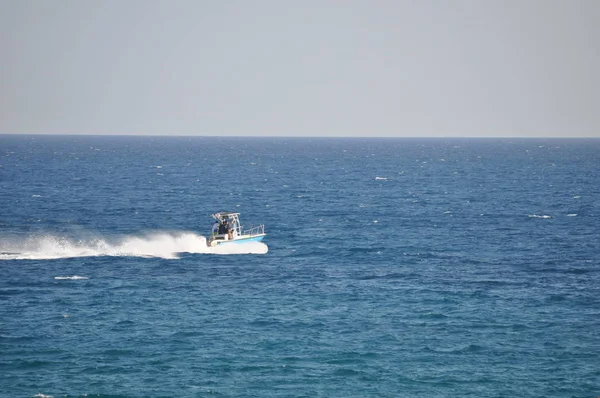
{"x": 227, "y": 229}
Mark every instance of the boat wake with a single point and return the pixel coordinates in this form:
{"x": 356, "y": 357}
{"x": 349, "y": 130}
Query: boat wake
{"x": 167, "y": 245}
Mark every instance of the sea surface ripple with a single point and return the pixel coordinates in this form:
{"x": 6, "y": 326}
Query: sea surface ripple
{"x": 391, "y": 268}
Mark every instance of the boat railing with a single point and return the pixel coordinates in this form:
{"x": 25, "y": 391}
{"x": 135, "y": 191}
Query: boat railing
{"x": 255, "y": 230}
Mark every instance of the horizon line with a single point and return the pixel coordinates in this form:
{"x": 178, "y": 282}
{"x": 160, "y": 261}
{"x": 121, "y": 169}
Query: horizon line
{"x": 300, "y": 136}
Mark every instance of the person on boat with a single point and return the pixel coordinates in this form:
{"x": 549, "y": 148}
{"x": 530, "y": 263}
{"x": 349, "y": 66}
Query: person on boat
{"x": 215, "y": 228}
{"x": 224, "y": 228}
{"x": 233, "y": 230}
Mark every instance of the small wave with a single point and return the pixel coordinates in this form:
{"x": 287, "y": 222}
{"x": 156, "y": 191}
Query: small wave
{"x": 364, "y": 249}
{"x": 470, "y": 348}
{"x": 572, "y": 215}
{"x": 434, "y": 315}
{"x": 539, "y": 216}
{"x": 345, "y": 372}
{"x": 73, "y": 278}
{"x": 381, "y": 178}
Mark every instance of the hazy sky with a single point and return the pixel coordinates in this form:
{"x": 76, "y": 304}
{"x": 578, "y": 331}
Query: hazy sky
{"x": 301, "y": 68}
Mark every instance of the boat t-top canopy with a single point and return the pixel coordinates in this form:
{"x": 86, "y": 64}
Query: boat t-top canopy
{"x": 225, "y": 214}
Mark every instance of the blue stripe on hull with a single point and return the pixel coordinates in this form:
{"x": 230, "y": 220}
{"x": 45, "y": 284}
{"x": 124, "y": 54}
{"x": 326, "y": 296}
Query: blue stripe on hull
{"x": 242, "y": 240}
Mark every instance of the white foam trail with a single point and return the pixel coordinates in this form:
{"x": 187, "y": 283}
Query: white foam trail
{"x": 160, "y": 244}
{"x": 72, "y": 278}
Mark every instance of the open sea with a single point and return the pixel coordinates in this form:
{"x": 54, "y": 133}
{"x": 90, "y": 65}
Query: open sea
{"x": 391, "y": 268}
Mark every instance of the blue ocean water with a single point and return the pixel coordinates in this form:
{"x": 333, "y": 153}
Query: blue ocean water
{"x": 391, "y": 268}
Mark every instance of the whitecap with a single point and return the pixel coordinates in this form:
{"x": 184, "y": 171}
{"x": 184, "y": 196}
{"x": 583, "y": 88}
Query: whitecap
{"x": 73, "y": 278}
{"x": 572, "y": 215}
{"x": 382, "y": 178}
{"x": 538, "y": 216}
